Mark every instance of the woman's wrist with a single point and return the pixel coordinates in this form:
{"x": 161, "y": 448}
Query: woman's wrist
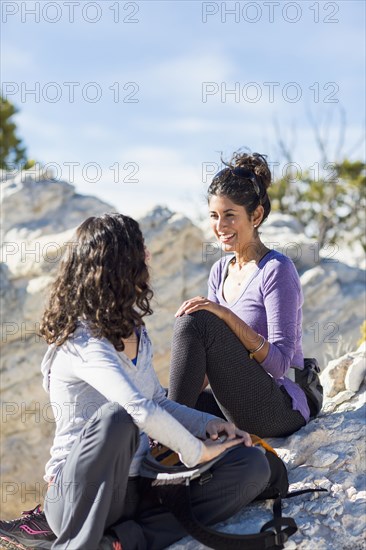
{"x": 248, "y": 337}
{"x": 225, "y": 314}
{"x": 260, "y": 346}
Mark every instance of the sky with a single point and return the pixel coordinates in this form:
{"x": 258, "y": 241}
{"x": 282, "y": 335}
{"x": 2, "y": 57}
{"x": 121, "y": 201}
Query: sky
{"x": 135, "y": 102}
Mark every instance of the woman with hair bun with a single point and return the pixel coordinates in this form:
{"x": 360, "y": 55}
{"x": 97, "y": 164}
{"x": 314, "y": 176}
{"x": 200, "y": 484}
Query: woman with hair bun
{"x": 243, "y": 338}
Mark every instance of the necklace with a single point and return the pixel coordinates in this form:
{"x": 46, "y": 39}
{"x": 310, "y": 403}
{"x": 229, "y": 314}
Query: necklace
{"x": 245, "y": 271}
{"x": 240, "y": 277}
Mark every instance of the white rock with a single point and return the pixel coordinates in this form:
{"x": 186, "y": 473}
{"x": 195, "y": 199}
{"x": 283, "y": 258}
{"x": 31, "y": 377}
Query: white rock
{"x": 351, "y": 492}
{"x": 341, "y": 397}
{"x": 360, "y": 495}
{"x": 333, "y": 310}
{"x": 322, "y": 459}
{"x": 37, "y": 206}
{"x": 362, "y": 348}
{"x": 355, "y": 374}
{"x": 333, "y": 376}
{"x": 286, "y": 234}
{"x": 35, "y": 257}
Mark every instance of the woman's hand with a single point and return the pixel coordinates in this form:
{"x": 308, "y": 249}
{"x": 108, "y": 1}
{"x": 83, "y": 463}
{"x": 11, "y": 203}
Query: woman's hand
{"x": 217, "y": 426}
{"x": 212, "y": 449}
{"x": 200, "y": 302}
{"x": 214, "y": 446}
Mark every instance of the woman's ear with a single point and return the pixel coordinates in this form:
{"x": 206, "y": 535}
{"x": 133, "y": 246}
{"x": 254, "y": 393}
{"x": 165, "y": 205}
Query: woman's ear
{"x": 257, "y": 215}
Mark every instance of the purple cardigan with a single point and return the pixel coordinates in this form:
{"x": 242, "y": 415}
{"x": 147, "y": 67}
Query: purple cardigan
{"x": 270, "y": 303}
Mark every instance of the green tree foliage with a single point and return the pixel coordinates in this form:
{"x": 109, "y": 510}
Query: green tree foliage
{"x": 11, "y": 150}
{"x": 331, "y": 204}
{"x": 363, "y": 334}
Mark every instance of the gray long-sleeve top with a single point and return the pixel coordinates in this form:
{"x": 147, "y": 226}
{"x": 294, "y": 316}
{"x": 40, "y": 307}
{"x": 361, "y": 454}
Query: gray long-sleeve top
{"x": 87, "y": 372}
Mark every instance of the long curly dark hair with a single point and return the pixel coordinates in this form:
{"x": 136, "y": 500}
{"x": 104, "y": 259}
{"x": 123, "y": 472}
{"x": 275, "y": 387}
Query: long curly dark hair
{"x": 245, "y": 181}
{"x": 102, "y": 279}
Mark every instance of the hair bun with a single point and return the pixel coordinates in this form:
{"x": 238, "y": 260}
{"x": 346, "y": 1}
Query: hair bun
{"x": 255, "y": 162}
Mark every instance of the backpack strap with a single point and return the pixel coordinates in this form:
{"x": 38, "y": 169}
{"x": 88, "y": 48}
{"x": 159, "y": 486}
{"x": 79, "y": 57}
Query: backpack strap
{"x": 259, "y": 441}
{"x": 303, "y": 491}
{"x": 272, "y": 535}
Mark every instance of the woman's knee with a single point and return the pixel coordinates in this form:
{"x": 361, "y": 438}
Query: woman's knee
{"x": 260, "y": 474}
{"x": 260, "y": 469}
{"x": 251, "y": 471}
{"x": 112, "y": 421}
{"x": 199, "y": 322}
{"x": 204, "y": 316}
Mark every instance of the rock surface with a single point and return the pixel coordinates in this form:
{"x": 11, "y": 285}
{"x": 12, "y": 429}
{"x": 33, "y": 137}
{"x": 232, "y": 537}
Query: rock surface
{"x": 39, "y": 217}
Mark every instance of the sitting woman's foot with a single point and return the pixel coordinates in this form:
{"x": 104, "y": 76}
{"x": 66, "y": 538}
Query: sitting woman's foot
{"x": 31, "y": 532}
{"x": 28, "y": 532}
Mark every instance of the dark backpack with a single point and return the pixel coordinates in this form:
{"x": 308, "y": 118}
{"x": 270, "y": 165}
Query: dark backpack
{"x": 171, "y": 480}
{"x": 308, "y": 379}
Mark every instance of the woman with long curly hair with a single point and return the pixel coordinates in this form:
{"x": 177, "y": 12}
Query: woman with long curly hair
{"x": 107, "y": 402}
{"x": 244, "y": 337}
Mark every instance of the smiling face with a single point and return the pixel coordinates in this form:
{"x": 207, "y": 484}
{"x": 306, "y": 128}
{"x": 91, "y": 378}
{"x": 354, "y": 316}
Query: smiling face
{"x": 231, "y": 224}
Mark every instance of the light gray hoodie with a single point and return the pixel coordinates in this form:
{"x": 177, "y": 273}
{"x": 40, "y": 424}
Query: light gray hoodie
{"x": 86, "y": 372}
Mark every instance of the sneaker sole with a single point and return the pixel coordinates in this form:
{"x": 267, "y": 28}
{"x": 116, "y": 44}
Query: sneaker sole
{"x": 10, "y": 544}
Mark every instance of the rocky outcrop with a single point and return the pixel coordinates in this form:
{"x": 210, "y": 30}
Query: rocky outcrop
{"x": 333, "y": 313}
{"x": 34, "y": 205}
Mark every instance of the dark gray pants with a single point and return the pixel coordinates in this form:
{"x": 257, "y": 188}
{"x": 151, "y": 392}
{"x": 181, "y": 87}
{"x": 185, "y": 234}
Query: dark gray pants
{"x": 92, "y": 493}
{"x": 242, "y": 391}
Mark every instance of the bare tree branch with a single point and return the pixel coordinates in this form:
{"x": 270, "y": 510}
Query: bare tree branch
{"x": 284, "y": 150}
{"x": 342, "y": 133}
{"x": 357, "y": 144}
{"x": 318, "y": 137}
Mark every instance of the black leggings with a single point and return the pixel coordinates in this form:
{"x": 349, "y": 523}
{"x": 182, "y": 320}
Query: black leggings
{"x": 242, "y": 391}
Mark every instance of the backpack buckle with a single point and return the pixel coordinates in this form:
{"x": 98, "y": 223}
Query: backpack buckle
{"x": 280, "y": 539}
{"x": 205, "y": 477}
